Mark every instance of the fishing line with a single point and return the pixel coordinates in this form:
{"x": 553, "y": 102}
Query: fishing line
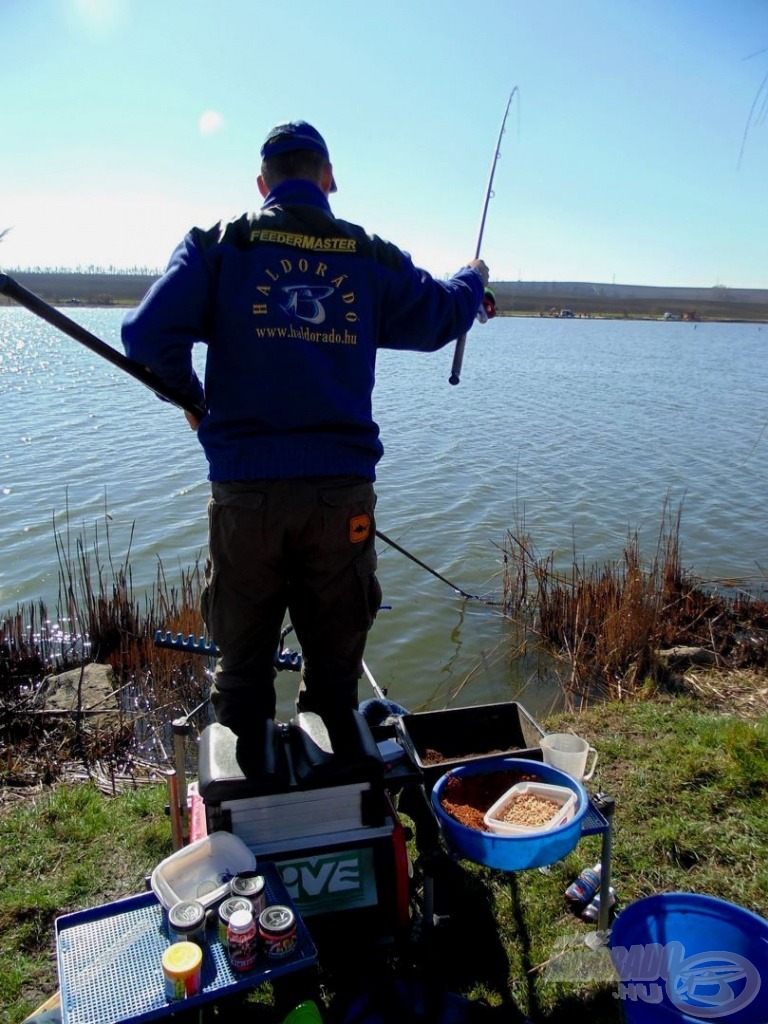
{"x": 751, "y": 119}
{"x": 751, "y": 452}
{"x": 434, "y": 572}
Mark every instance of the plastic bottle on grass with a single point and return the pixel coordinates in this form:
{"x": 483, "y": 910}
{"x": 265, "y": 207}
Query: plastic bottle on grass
{"x": 582, "y": 890}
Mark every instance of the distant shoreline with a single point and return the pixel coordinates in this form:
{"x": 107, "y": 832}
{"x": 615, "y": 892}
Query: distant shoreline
{"x": 518, "y": 298}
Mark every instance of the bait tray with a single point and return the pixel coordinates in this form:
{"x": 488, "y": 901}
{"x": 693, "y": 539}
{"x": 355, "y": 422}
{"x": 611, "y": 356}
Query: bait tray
{"x": 441, "y": 740}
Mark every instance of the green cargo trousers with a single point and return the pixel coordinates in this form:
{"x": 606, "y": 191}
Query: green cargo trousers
{"x": 305, "y": 547}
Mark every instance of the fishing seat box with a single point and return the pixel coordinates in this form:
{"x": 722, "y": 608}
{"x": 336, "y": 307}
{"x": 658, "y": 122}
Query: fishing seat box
{"x": 325, "y": 820}
{"x": 439, "y": 741}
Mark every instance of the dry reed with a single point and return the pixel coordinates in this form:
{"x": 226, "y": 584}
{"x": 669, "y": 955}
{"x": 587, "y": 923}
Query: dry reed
{"x": 98, "y": 619}
{"x": 611, "y": 625}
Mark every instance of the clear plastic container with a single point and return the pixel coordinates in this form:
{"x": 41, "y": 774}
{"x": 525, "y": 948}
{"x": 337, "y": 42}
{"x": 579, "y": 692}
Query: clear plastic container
{"x": 201, "y": 871}
{"x": 564, "y": 798}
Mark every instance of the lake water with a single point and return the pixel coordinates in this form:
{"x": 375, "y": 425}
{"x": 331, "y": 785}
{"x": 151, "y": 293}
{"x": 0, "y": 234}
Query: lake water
{"x": 581, "y": 428}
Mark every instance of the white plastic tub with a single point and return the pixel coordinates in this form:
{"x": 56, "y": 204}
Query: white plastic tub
{"x": 198, "y": 870}
{"x": 562, "y": 796}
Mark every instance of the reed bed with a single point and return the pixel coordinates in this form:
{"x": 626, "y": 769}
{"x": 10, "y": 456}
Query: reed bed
{"x": 99, "y": 618}
{"x": 618, "y": 630}
{"x": 96, "y": 591}
{"x": 624, "y": 628}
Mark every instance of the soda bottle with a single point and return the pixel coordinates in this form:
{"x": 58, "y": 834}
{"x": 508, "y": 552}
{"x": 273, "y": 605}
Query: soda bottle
{"x": 582, "y": 889}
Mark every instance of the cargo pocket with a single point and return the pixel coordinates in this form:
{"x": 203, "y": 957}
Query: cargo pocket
{"x": 346, "y": 538}
{"x": 348, "y": 515}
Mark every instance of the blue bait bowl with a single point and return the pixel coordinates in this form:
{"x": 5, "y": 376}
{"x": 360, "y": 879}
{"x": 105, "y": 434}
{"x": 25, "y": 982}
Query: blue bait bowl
{"x": 687, "y": 958}
{"x": 511, "y": 853}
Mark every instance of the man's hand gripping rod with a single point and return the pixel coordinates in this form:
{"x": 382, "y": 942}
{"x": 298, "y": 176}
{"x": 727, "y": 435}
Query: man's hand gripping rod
{"x": 458, "y": 353}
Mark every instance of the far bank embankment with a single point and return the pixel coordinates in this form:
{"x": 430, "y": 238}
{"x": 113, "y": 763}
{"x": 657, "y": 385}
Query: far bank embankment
{"x": 534, "y": 298}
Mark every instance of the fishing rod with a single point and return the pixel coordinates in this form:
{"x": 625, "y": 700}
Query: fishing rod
{"x": 458, "y": 353}
{"x": 36, "y": 305}
{"x": 413, "y": 558}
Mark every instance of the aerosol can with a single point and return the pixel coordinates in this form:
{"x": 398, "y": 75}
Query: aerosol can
{"x": 592, "y": 911}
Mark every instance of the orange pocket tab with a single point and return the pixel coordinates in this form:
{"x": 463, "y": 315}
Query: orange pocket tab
{"x": 359, "y": 528}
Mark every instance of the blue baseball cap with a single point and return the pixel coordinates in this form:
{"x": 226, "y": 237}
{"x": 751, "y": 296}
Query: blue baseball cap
{"x": 292, "y": 135}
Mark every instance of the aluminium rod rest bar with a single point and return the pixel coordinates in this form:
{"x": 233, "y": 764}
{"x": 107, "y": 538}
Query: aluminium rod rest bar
{"x": 190, "y": 644}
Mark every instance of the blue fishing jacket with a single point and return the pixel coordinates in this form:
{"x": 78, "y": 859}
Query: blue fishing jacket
{"x": 293, "y": 304}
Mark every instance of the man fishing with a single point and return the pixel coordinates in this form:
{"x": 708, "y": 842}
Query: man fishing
{"x": 293, "y": 304}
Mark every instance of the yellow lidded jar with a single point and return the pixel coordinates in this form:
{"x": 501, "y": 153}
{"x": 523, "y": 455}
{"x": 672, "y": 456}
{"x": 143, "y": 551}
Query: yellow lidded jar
{"x": 182, "y": 963}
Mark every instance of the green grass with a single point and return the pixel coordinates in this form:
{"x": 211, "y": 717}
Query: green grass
{"x": 69, "y": 849}
{"x": 691, "y": 815}
{"x": 690, "y": 788}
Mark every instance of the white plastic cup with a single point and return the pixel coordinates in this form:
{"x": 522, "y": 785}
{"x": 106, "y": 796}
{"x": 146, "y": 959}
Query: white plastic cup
{"x": 569, "y": 753}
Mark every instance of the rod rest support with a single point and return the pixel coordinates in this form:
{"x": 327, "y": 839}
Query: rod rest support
{"x": 285, "y": 659}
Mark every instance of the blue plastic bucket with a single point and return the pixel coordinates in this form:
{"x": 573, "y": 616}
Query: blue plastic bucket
{"x": 683, "y": 958}
{"x": 511, "y": 853}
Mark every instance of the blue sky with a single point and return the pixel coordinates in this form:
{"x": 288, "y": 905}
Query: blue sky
{"x": 637, "y": 153}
